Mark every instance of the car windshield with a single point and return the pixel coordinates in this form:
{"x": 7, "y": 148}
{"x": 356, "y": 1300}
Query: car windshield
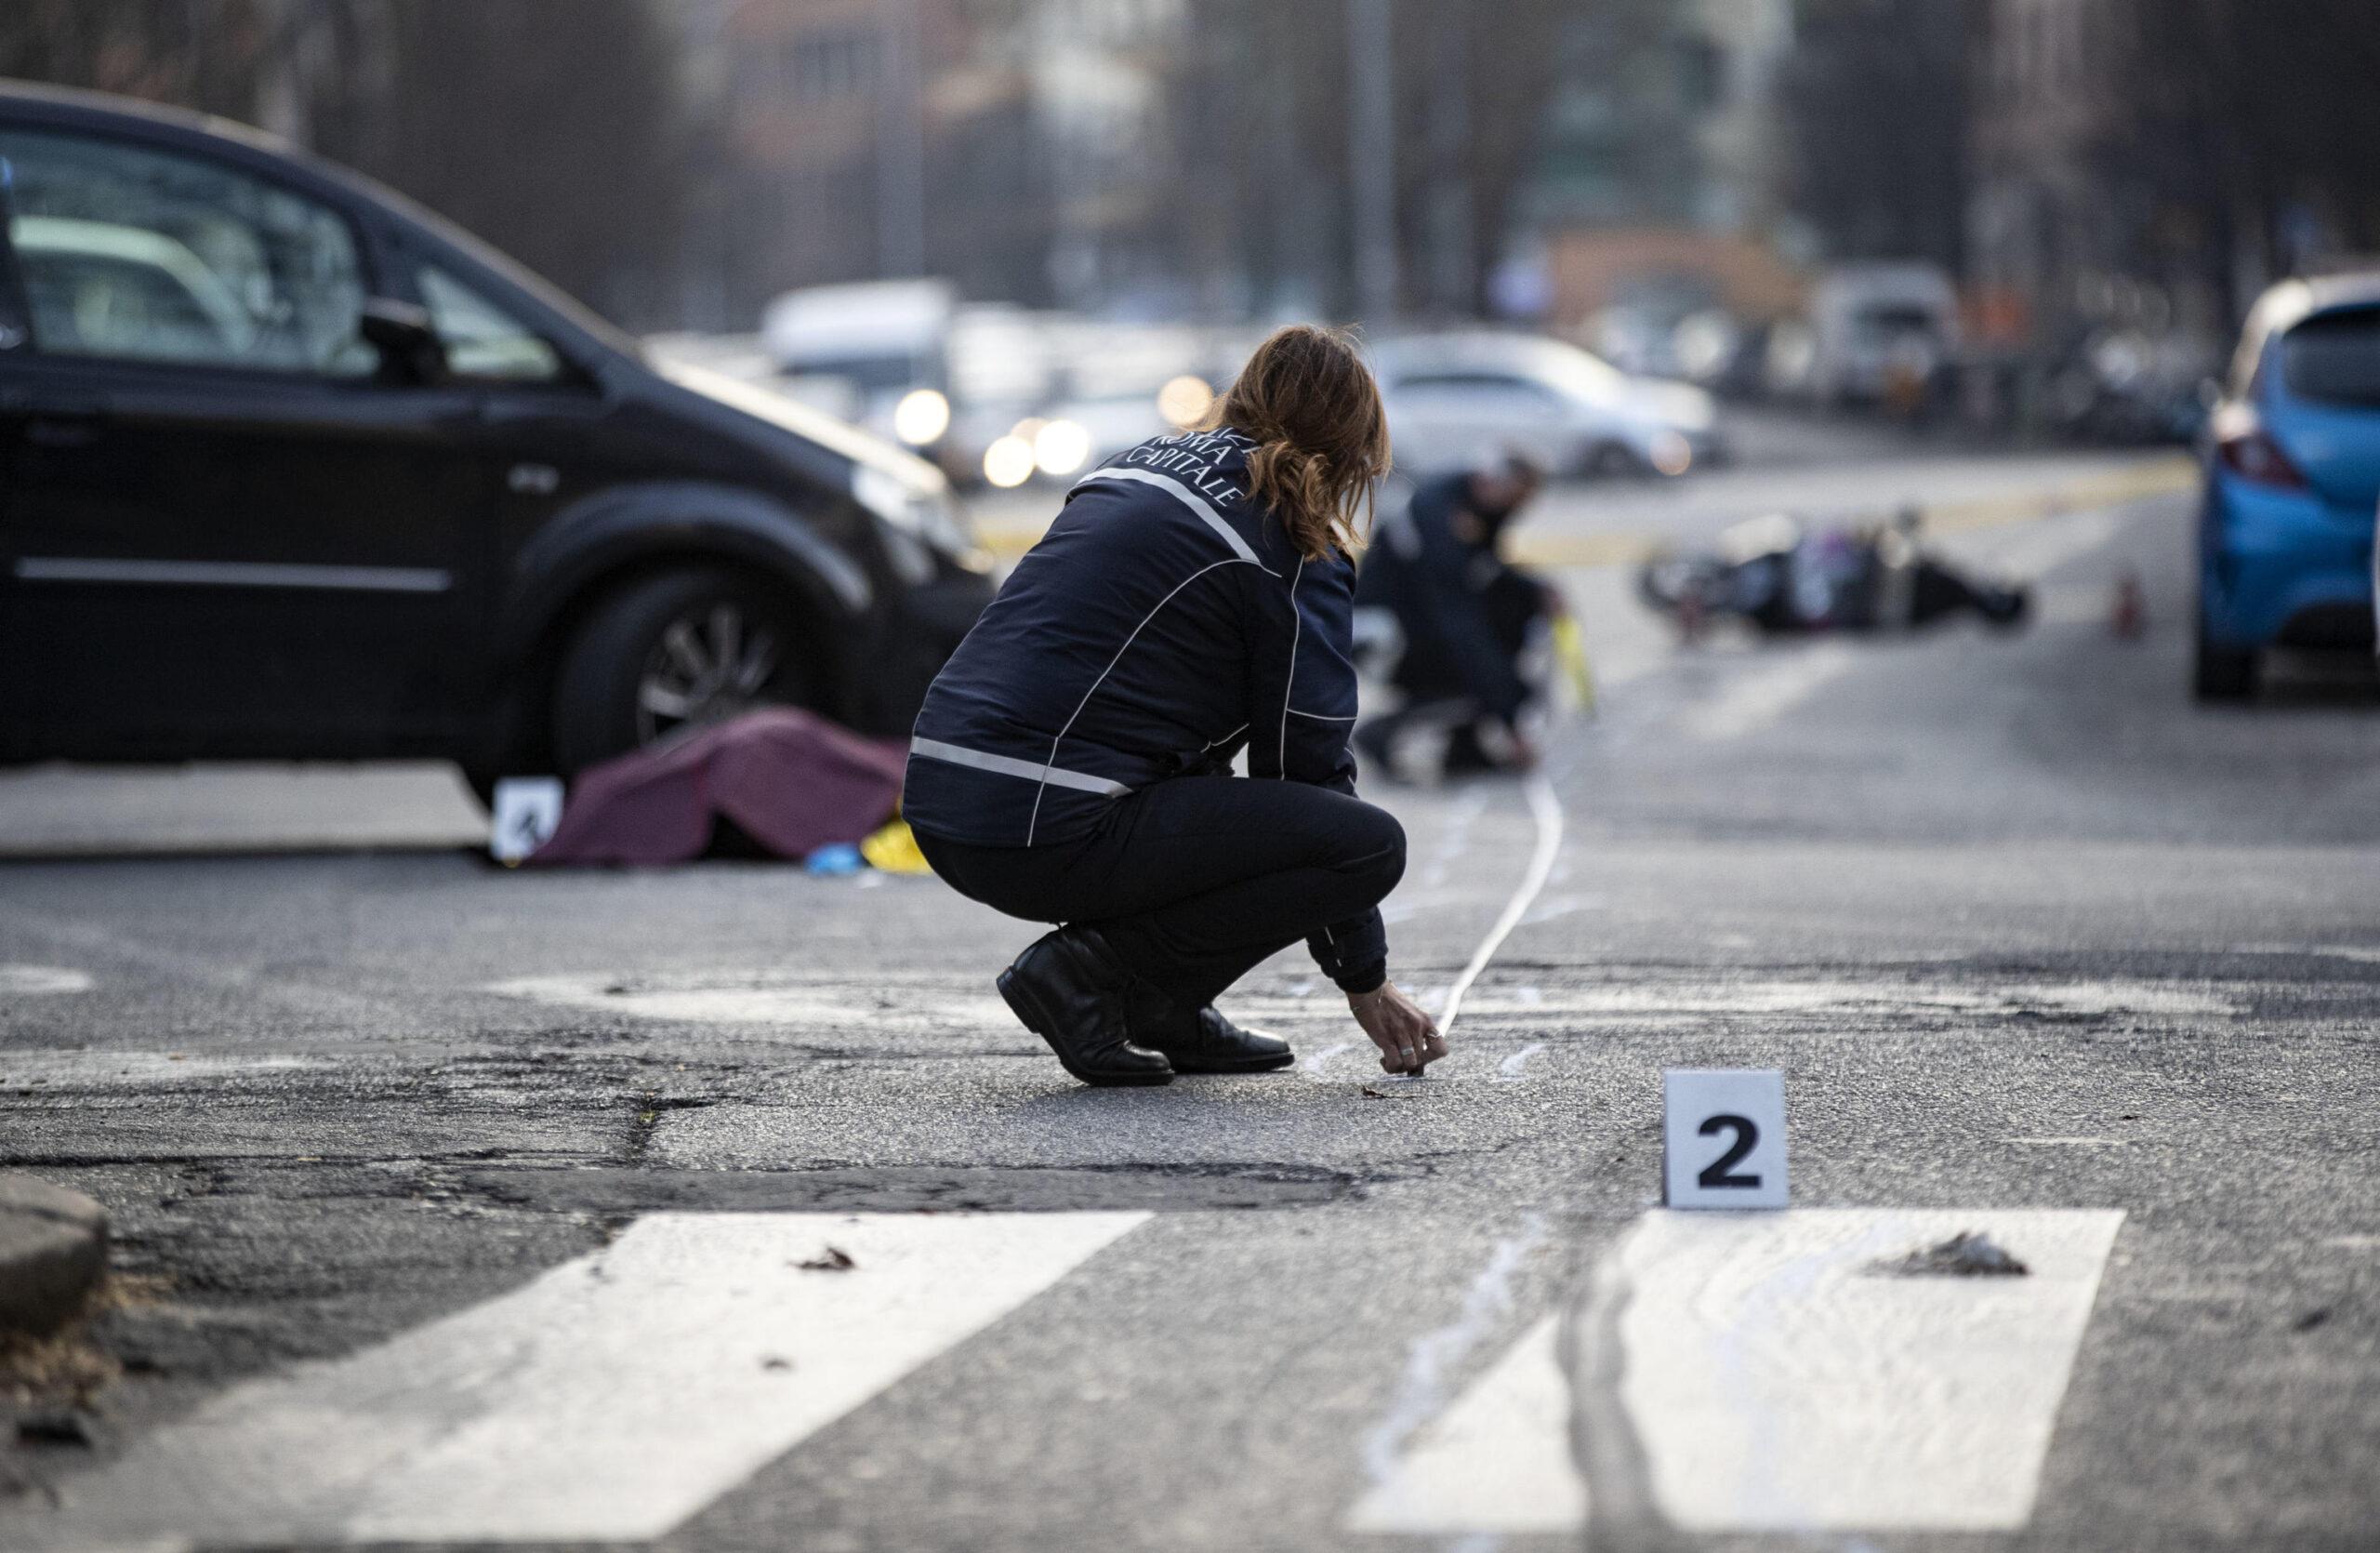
{"x": 2334, "y": 358}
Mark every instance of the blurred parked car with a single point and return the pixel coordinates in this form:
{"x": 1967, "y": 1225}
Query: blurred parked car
{"x": 2291, "y": 481}
{"x": 296, "y": 469}
{"x": 1453, "y": 397}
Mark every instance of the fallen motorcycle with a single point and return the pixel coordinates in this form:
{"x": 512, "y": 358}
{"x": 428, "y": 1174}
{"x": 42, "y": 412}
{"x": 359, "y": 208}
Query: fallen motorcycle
{"x": 1783, "y": 576}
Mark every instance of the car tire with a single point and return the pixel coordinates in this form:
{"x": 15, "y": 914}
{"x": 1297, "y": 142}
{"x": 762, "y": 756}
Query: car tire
{"x": 2220, "y": 673}
{"x": 1611, "y": 461}
{"x": 642, "y": 656}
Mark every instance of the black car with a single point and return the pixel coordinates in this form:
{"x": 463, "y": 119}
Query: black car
{"x": 290, "y": 468}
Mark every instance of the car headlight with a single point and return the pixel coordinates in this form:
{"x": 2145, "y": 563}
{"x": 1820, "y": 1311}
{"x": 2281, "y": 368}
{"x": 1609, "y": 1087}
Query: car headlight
{"x": 914, "y": 516}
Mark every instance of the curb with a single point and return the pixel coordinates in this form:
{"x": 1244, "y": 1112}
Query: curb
{"x": 53, "y": 1252}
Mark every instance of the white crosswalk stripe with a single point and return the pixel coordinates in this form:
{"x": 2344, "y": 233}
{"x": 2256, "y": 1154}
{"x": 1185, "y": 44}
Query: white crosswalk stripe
{"x": 1777, "y": 1380}
{"x": 1496, "y": 1461}
{"x": 607, "y": 1400}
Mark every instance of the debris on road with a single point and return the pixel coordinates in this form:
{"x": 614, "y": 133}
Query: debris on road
{"x": 837, "y": 861}
{"x": 1970, "y": 1254}
{"x": 833, "y": 1259}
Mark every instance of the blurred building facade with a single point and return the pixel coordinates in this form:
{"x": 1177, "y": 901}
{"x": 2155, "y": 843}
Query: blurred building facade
{"x": 2066, "y": 236}
{"x": 1016, "y": 149}
{"x": 1658, "y": 186}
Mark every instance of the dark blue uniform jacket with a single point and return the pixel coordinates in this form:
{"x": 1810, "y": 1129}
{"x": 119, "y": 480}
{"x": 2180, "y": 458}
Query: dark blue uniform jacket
{"x": 1438, "y": 585}
{"x": 1165, "y": 622}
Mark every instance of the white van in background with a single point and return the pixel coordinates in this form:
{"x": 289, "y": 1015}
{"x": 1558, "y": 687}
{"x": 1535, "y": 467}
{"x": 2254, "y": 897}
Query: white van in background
{"x": 1879, "y": 330}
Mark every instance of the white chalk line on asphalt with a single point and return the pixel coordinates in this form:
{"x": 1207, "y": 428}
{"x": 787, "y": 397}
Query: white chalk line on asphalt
{"x": 607, "y": 1400}
{"x": 1545, "y": 805}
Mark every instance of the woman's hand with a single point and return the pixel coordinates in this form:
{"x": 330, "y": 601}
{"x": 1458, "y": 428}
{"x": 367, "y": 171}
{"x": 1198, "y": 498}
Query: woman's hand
{"x": 1407, "y": 1038}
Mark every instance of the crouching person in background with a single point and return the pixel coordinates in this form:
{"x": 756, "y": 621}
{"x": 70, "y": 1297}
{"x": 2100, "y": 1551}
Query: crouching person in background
{"x": 1467, "y": 642}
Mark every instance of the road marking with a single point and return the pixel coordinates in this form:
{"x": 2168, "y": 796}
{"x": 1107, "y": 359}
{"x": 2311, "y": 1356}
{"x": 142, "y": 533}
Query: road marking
{"x": 769, "y": 997}
{"x": 1757, "y": 700}
{"x": 2355, "y": 953}
{"x": 2037, "y": 552}
{"x": 2071, "y": 1143}
{"x": 1313, "y": 1063}
{"x": 606, "y": 1402}
{"x": 1545, "y": 806}
{"x": 1780, "y": 1384}
{"x": 1509, "y": 1071}
{"x": 1496, "y": 1461}
{"x": 1421, "y": 1389}
{"x": 41, "y": 981}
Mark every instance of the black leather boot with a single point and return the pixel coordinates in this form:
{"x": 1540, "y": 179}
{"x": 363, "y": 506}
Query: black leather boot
{"x": 1070, "y": 989}
{"x": 1203, "y": 1041}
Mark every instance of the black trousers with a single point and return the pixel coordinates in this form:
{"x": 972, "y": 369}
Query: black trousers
{"x": 1197, "y": 881}
{"x": 1430, "y": 677}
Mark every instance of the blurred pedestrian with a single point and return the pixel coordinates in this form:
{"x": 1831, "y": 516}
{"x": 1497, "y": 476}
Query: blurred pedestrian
{"x": 1073, "y": 761}
{"x": 1467, "y": 618}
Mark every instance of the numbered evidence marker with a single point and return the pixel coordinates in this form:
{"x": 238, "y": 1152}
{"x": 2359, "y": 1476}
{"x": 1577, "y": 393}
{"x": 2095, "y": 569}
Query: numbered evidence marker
{"x": 528, "y": 810}
{"x": 1723, "y": 1137}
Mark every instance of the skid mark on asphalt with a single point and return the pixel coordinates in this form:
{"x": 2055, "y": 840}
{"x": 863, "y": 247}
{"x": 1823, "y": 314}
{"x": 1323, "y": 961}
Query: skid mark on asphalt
{"x": 607, "y": 1402}
{"x": 1779, "y": 1381}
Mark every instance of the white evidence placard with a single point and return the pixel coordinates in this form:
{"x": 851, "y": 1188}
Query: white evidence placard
{"x": 527, "y": 811}
{"x": 1723, "y": 1137}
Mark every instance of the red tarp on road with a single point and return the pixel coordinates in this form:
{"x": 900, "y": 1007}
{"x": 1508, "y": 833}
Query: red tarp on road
{"x": 792, "y": 781}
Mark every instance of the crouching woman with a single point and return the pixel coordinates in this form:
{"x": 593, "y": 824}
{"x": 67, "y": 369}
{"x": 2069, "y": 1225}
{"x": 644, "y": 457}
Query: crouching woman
{"x": 1073, "y": 761}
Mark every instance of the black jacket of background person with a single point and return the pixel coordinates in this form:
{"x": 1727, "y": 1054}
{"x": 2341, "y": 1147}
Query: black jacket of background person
{"x": 1438, "y": 584}
{"x": 1164, "y": 622}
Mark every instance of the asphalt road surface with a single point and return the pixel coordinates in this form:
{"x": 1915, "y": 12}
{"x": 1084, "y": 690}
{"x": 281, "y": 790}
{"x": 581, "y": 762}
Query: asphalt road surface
{"x": 469, "y": 1207}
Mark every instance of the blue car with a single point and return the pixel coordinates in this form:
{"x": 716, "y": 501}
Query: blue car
{"x": 2292, "y": 482}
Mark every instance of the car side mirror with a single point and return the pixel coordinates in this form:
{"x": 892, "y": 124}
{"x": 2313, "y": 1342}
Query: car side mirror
{"x": 407, "y": 340}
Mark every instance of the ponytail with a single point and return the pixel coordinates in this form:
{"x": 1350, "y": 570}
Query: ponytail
{"x": 1321, "y": 436}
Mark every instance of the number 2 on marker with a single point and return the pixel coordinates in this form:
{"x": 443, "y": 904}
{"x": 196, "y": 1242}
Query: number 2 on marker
{"x": 1719, "y": 1171}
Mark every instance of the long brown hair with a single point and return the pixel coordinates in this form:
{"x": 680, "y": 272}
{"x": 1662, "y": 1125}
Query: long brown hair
{"x": 1321, "y": 436}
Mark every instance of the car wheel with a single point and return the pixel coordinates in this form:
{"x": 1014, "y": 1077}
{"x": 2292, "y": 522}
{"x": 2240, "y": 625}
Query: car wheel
{"x": 675, "y": 652}
{"x": 2220, "y": 673}
{"x": 1612, "y": 460}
